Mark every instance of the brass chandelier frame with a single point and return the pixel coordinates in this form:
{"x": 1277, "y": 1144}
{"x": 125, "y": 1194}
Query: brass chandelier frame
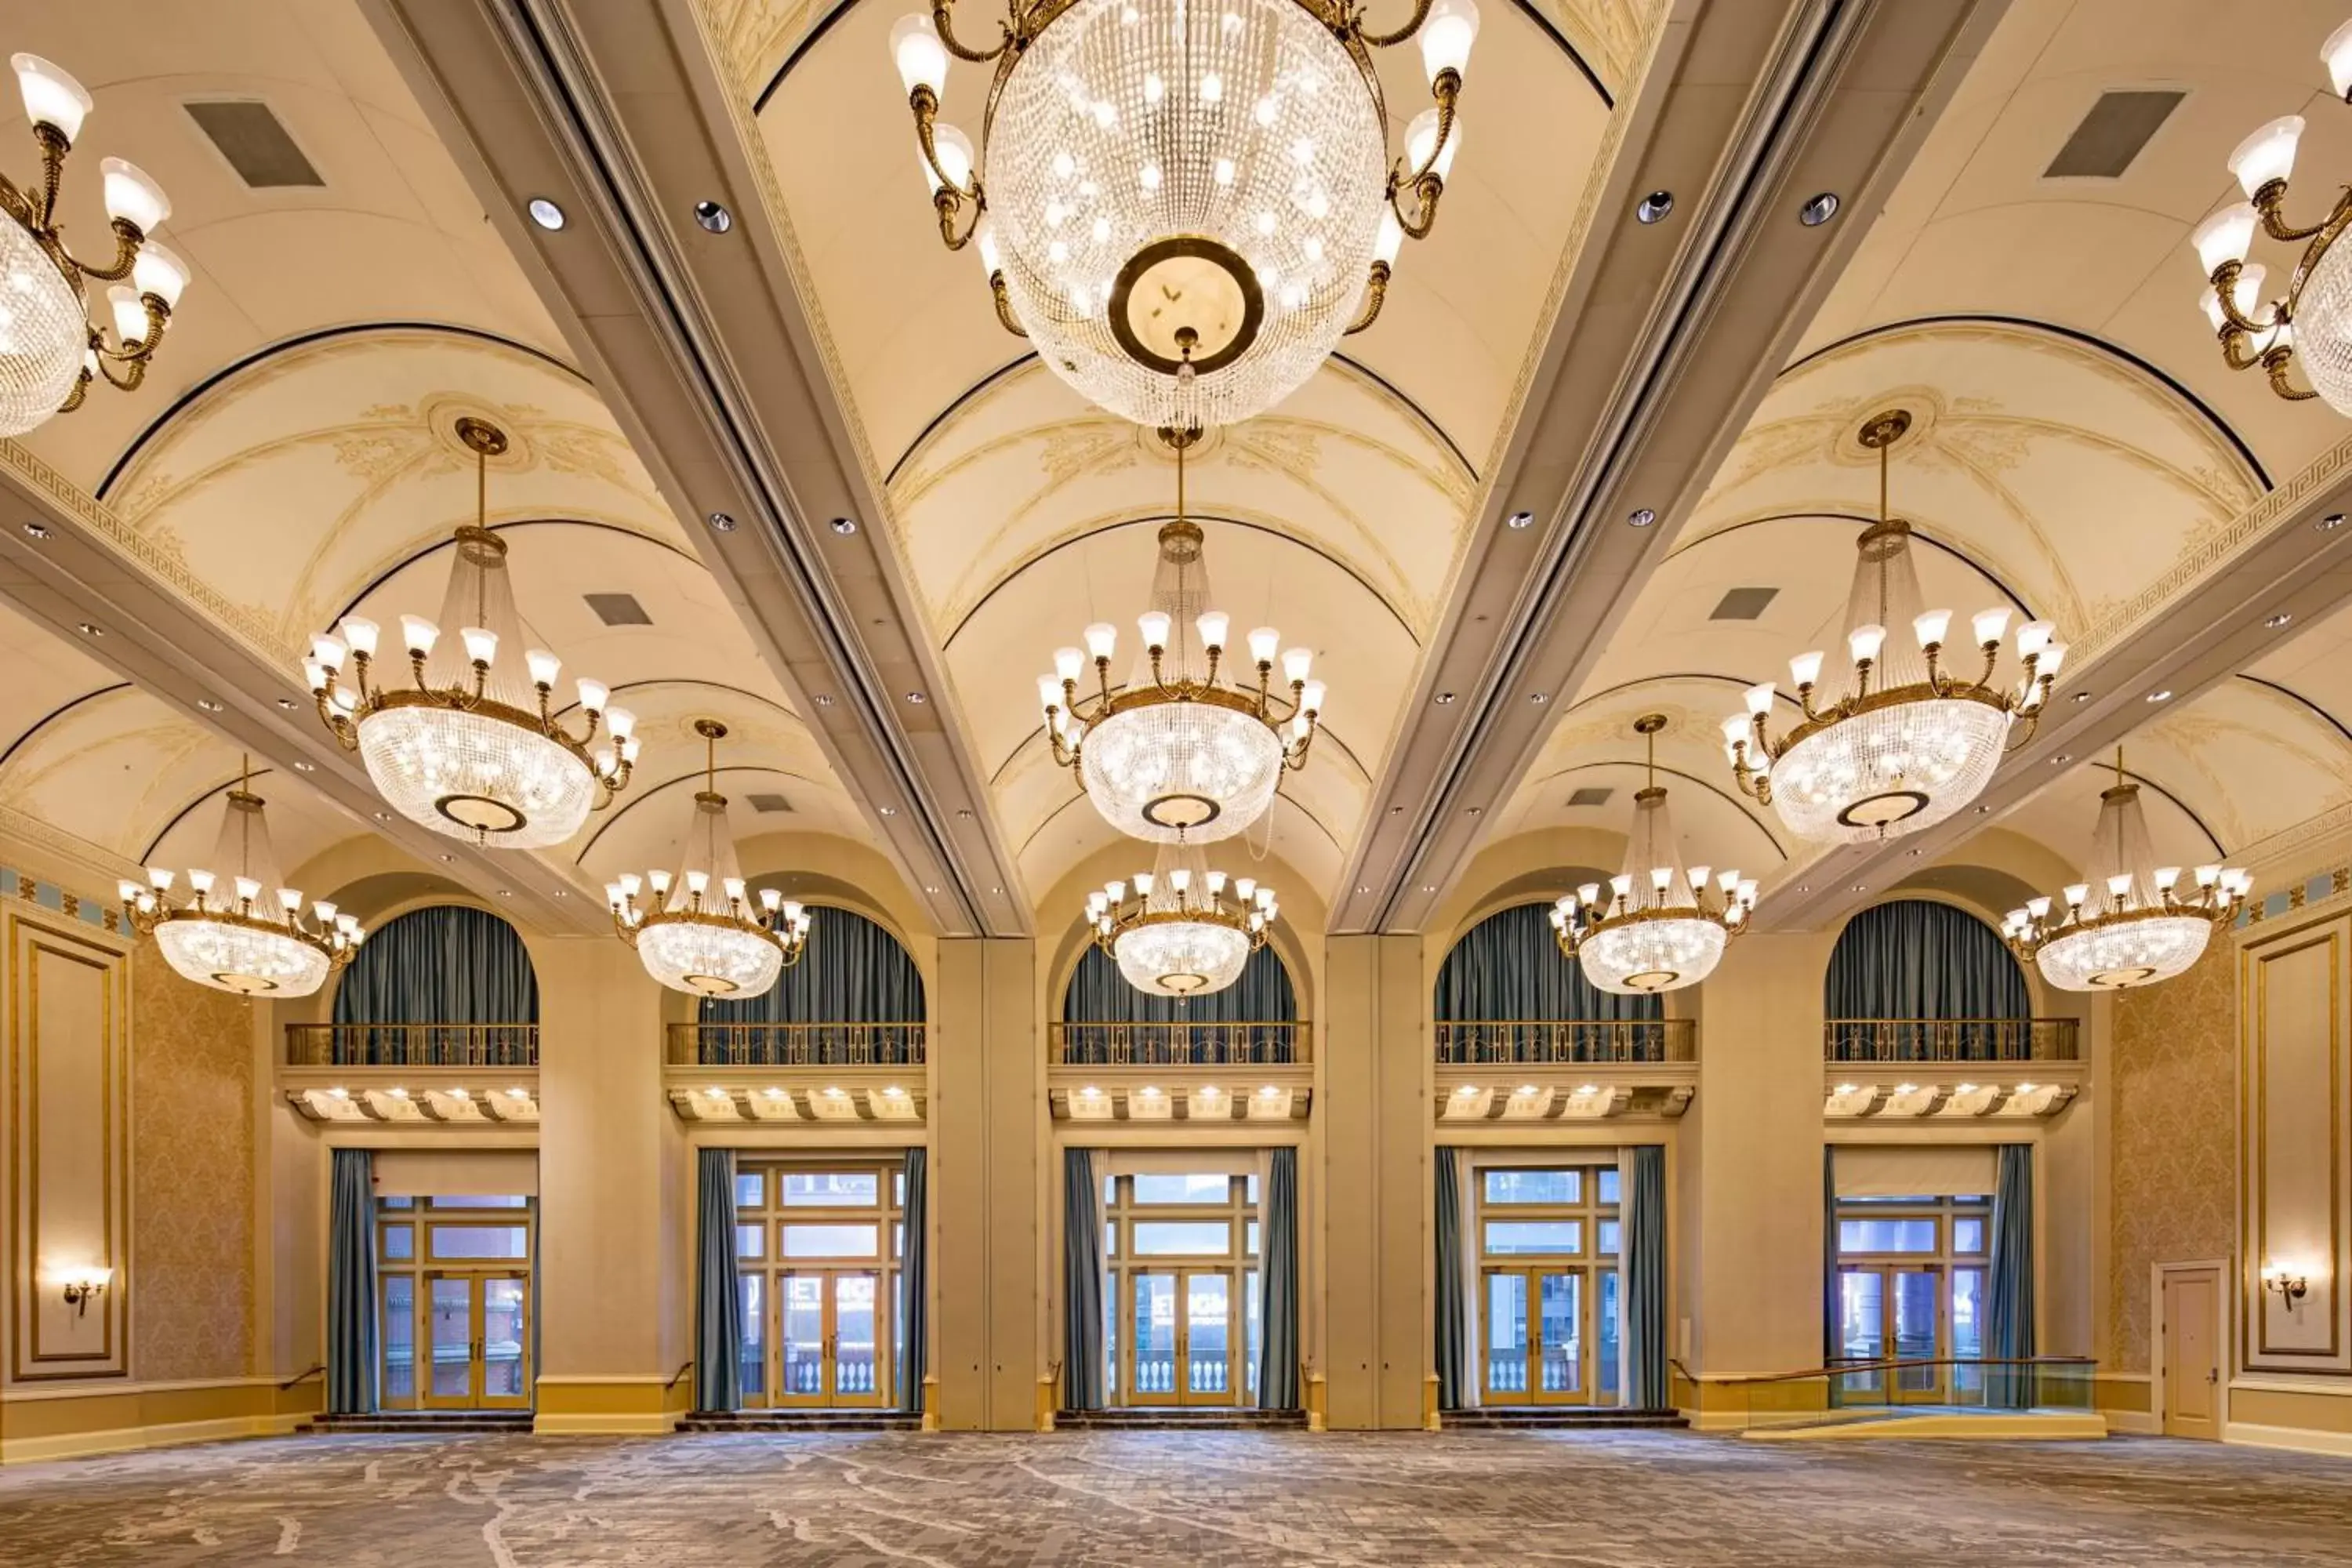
{"x": 1584, "y": 914}
{"x": 960, "y": 203}
{"x": 1261, "y": 703}
{"x": 782, "y": 926}
{"x": 343, "y": 709}
{"x": 1880, "y": 433}
{"x": 1114, "y": 914}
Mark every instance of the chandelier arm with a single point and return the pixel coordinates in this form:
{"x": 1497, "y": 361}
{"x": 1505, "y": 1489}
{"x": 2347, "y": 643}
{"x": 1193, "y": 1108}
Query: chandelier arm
{"x": 2225, "y": 289}
{"x": 2274, "y": 360}
{"x": 1425, "y": 190}
{"x": 1003, "y": 301}
{"x": 2235, "y": 353}
{"x": 942, "y": 20}
{"x": 127, "y": 241}
{"x": 926, "y": 106}
{"x": 1386, "y": 40}
{"x": 1376, "y": 293}
{"x": 131, "y": 377}
{"x": 54, "y": 148}
{"x": 2024, "y": 735}
{"x": 75, "y": 399}
{"x": 2271, "y": 201}
{"x": 141, "y": 349}
{"x": 949, "y": 206}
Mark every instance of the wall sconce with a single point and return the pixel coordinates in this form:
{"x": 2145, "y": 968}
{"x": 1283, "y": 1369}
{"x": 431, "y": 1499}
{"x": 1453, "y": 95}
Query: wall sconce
{"x": 2287, "y": 1279}
{"x": 84, "y": 1284}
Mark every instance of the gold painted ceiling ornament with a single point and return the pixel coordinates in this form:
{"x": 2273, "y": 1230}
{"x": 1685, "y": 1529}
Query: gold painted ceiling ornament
{"x": 1183, "y": 930}
{"x": 1185, "y": 205}
{"x": 701, "y": 933}
{"x": 2309, "y": 325}
{"x": 1907, "y": 742}
{"x": 242, "y": 929}
{"x": 1657, "y": 929}
{"x": 473, "y": 747}
{"x": 2130, "y": 924}
{"x": 50, "y": 347}
{"x": 1179, "y": 751}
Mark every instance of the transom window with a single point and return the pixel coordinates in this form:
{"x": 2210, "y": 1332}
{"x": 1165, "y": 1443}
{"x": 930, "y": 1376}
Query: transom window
{"x": 817, "y": 1250}
{"x": 1180, "y": 1313}
{"x": 453, "y": 1301}
{"x": 1911, "y": 1289}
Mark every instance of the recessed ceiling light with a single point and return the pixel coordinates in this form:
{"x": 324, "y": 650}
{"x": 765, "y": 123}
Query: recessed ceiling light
{"x": 288, "y": 703}
{"x": 918, "y": 698}
{"x": 1443, "y": 698}
{"x": 1983, "y": 809}
{"x": 1520, "y": 519}
{"x": 845, "y": 525}
{"x": 713, "y": 216}
{"x": 822, "y": 701}
{"x": 1915, "y": 854}
{"x": 1473, "y": 810}
{"x": 2083, "y": 696}
{"x": 2159, "y": 697}
{"x": 305, "y": 768}
{"x": 90, "y": 629}
{"x": 721, "y": 522}
{"x": 1363, "y": 886}
{"x": 1396, "y": 811}
{"x": 1642, "y": 518}
{"x": 1819, "y": 210}
{"x": 36, "y": 531}
{"x": 1804, "y": 887}
{"x": 1538, "y": 698}
{"x": 2330, "y": 524}
{"x": 1654, "y": 206}
{"x": 931, "y": 890}
{"x": 1428, "y": 887}
{"x": 889, "y": 811}
{"x": 506, "y": 892}
{"x": 545, "y": 214}
{"x": 2061, "y": 759}
{"x": 209, "y": 704}
{"x": 562, "y": 892}
{"x": 383, "y": 817}
{"x": 446, "y": 859}
{"x": 1861, "y": 887}
{"x": 963, "y": 814}
{"x": 2279, "y": 619}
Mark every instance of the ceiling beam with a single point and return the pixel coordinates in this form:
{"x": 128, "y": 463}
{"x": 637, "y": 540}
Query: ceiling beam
{"x": 1669, "y": 337}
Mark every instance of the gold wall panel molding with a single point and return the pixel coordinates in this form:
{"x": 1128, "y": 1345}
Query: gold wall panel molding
{"x": 66, "y": 1073}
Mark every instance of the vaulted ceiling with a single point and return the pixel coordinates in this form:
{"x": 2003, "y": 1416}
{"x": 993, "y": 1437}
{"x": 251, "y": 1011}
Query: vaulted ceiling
{"x": 2078, "y": 451}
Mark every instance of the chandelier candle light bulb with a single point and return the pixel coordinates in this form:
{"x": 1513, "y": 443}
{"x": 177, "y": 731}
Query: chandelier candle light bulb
{"x": 467, "y": 749}
{"x": 1184, "y": 207}
{"x": 701, "y": 944}
{"x": 1908, "y": 742}
{"x": 256, "y": 943}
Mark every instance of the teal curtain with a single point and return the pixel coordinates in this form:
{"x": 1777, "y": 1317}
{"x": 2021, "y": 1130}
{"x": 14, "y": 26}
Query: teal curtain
{"x": 351, "y": 1286}
{"x": 1455, "y": 1327}
{"x": 914, "y": 1283}
{"x": 1082, "y": 1281}
{"x": 2009, "y": 1285}
{"x": 1508, "y": 966}
{"x": 1099, "y": 994}
{"x": 719, "y": 1310}
{"x": 445, "y": 964}
{"x": 1918, "y": 959}
{"x": 1644, "y": 1296}
{"x": 1278, "y": 1315}
{"x": 853, "y": 972}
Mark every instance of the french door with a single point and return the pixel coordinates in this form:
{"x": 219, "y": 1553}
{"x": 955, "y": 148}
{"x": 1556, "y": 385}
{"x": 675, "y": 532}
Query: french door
{"x": 1181, "y": 1349}
{"x": 476, "y": 1338}
{"x": 1896, "y": 1311}
{"x": 1540, "y": 1330}
{"x": 828, "y": 1333}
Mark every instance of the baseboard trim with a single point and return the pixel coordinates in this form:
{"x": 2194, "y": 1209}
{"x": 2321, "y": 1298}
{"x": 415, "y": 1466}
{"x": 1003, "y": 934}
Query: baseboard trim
{"x": 2138, "y": 1423}
{"x": 577, "y": 1423}
{"x": 2302, "y": 1439}
{"x": 130, "y": 1439}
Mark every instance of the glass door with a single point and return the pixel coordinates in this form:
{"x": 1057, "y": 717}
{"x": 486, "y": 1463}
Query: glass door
{"x": 1559, "y": 1339}
{"x": 854, "y": 1365}
{"x": 801, "y": 1339}
{"x": 450, "y": 1327}
{"x": 1862, "y": 1329}
{"x": 1208, "y": 1338}
{"x": 1917, "y": 1295}
{"x": 1504, "y": 1330}
{"x": 1539, "y": 1344}
{"x": 828, "y": 1336}
{"x": 502, "y": 1302}
{"x": 1181, "y": 1337}
{"x": 1892, "y": 1312}
{"x": 1153, "y": 1344}
{"x": 476, "y": 1342}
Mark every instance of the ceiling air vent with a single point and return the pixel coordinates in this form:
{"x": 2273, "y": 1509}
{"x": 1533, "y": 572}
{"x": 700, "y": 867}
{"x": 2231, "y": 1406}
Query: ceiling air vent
{"x": 619, "y": 609}
{"x": 767, "y": 802}
{"x": 1591, "y": 795}
{"x": 2111, "y": 135}
{"x": 1743, "y": 604}
{"x": 254, "y": 143}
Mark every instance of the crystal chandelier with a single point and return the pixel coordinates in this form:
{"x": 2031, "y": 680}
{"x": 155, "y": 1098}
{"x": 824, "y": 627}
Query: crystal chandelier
{"x": 1178, "y": 933}
{"x": 1657, "y": 930}
{"x": 1185, "y": 205}
{"x": 693, "y": 939}
{"x": 1177, "y": 751}
{"x": 1907, "y": 742}
{"x": 2311, "y": 323}
{"x": 250, "y": 937}
{"x": 2126, "y": 926}
{"x": 473, "y": 748}
{"x": 50, "y": 349}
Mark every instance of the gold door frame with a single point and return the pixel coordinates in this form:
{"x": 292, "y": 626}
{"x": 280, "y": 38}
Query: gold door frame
{"x": 828, "y": 1395}
{"x": 477, "y": 1394}
{"x": 1236, "y": 1332}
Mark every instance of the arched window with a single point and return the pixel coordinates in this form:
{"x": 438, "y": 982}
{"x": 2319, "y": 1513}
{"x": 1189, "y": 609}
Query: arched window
{"x": 854, "y": 972}
{"x": 1919, "y": 960}
{"x": 443, "y": 965}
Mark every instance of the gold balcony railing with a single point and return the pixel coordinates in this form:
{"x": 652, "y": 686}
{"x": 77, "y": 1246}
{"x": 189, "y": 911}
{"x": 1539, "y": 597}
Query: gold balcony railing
{"x": 412, "y": 1044}
{"x": 1951, "y": 1040}
{"x": 1502, "y": 1041}
{"x": 796, "y": 1045}
{"x": 1183, "y": 1043}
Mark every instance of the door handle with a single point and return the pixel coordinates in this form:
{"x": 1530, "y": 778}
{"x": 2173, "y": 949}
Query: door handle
{"x": 2213, "y": 1374}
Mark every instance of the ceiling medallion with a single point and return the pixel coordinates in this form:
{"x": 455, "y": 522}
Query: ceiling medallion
{"x": 473, "y": 748}
{"x": 1907, "y": 742}
{"x": 2311, "y": 323}
{"x": 1657, "y": 930}
{"x": 1178, "y": 933}
{"x": 702, "y": 933}
{"x": 1177, "y": 751}
{"x": 2126, "y": 926}
{"x": 51, "y": 348}
{"x": 249, "y": 937}
{"x": 1185, "y": 206}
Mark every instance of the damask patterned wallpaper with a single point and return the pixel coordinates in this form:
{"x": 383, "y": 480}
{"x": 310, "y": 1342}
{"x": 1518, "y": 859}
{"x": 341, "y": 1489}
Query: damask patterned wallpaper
{"x": 2172, "y": 1077}
{"x": 190, "y": 1176}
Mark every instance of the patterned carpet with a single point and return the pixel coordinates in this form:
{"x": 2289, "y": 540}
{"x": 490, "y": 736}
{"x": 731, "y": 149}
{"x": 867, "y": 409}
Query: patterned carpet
{"x": 1217, "y": 1499}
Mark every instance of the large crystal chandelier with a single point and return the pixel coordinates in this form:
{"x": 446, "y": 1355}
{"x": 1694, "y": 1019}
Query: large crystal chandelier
{"x": 51, "y": 348}
{"x": 2311, "y": 323}
{"x": 1183, "y": 931}
{"x": 702, "y": 933}
{"x": 1907, "y": 742}
{"x": 1183, "y": 204}
{"x": 1657, "y": 929}
{"x": 1179, "y": 751}
{"x": 2128, "y": 925}
{"x": 242, "y": 929}
{"x": 473, "y": 747}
